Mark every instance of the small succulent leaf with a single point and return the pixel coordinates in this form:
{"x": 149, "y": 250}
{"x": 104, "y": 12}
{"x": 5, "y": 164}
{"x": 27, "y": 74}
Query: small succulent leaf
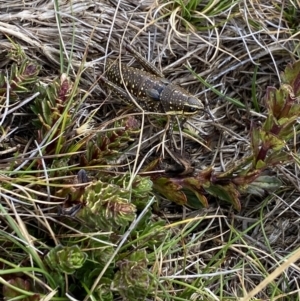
{"x": 104, "y": 254}
{"x": 9, "y": 293}
{"x": 193, "y": 183}
{"x": 46, "y": 113}
{"x": 71, "y": 259}
{"x": 255, "y": 141}
{"x": 274, "y": 101}
{"x": 274, "y": 142}
{"x": 132, "y": 281}
{"x": 65, "y": 259}
{"x": 51, "y": 258}
{"x": 195, "y": 199}
{"x": 107, "y": 206}
{"x": 188, "y": 190}
{"x": 18, "y": 282}
{"x": 246, "y": 178}
{"x": 269, "y": 123}
{"x": 285, "y": 120}
{"x": 140, "y": 190}
{"x": 204, "y": 176}
{"x": 151, "y": 234}
{"x": 21, "y": 78}
{"x": 263, "y": 184}
{"x": 286, "y": 127}
{"x": 170, "y": 190}
{"x": 139, "y": 256}
{"x": 103, "y": 290}
{"x": 52, "y": 102}
{"x": 141, "y": 187}
{"x": 92, "y": 268}
{"x": 289, "y": 99}
{"x": 277, "y": 157}
{"x": 109, "y": 144}
{"x": 64, "y": 89}
{"x": 295, "y": 109}
{"x": 260, "y": 164}
{"x": 228, "y": 193}
{"x": 152, "y": 165}
{"x": 289, "y": 104}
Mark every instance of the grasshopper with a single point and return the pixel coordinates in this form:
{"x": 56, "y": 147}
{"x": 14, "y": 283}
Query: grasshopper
{"x": 154, "y": 93}
{"x": 151, "y": 91}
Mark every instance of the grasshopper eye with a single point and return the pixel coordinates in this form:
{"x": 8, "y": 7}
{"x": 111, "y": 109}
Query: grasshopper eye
{"x": 195, "y": 103}
{"x": 192, "y": 106}
{"x": 189, "y": 109}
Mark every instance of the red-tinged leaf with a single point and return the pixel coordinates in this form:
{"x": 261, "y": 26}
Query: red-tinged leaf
{"x": 255, "y": 141}
{"x": 182, "y": 191}
{"x": 151, "y": 166}
{"x": 280, "y": 103}
{"x": 291, "y": 76}
{"x": 132, "y": 124}
{"x": 295, "y": 110}
{"x": 170, "y": 190}
{"x": 274, "y": 101}
{"x": 65, "y": 88}
{"x": 247, "y": 178}
{"x": 132, "y": 280}
{"x": 10, "y": 293}
{"x": 263, "y": 184}
{"x": 289, "y": 99}
{"x": 227, "y": 193}
{"x": 269, "y": 142}
{"x": 30, "y": 70}
{"x": 287, "y": 124}
{"x": 277, "y": 158}
{"x": 204, "y": 176}
{"x": 269, "y": 123}
{"x": 273, "y": 141}
{"x": 193, "y": 189}
{"x": 260, "y": 164}
{"x": 196, "y": 200}
{"x": 192, "y": 183}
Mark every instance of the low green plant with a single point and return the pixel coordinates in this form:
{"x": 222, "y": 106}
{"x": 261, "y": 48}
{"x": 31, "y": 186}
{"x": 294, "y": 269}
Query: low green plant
{"x": 87, "y": 220}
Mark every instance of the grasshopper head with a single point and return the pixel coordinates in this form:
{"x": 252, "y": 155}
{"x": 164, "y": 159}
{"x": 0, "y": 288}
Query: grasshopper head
{"x": 192, "y": 105}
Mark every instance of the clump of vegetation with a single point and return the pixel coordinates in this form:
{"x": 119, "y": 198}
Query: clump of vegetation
{"x": 268, "y": 149}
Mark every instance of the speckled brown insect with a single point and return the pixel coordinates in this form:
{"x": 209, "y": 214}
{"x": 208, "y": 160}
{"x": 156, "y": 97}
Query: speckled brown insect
{"x": 152, "y": 92}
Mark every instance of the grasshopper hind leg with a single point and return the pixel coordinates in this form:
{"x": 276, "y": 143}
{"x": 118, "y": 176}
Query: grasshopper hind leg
{"x": 172, "y": 121}
{"x": 147, "y": 65}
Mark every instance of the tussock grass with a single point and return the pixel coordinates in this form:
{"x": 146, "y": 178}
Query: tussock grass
{"x": 57, "y": 118}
